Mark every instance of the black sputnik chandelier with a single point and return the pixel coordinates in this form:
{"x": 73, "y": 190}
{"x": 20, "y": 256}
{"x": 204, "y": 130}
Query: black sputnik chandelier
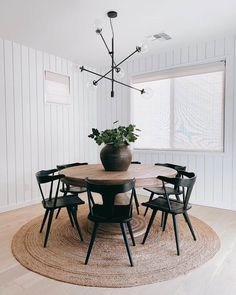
{"x": 115, "y": 67}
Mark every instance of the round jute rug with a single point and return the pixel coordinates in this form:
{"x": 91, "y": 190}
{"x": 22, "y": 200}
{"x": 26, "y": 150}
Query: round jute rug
{"x": 156, "y": 261}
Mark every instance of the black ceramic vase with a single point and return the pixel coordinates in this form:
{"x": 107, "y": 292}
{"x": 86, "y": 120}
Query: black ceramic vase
{"x": 115, "y": 159}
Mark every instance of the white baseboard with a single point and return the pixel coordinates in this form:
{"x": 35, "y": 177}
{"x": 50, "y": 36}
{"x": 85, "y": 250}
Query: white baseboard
{"x": 20, "y": 205}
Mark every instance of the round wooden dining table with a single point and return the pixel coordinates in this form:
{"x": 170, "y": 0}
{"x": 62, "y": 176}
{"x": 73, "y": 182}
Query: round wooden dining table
{"x": 145, "y": 175}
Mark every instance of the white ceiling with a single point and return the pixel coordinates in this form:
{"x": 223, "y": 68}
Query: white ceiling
{"x": 65, "y": 27}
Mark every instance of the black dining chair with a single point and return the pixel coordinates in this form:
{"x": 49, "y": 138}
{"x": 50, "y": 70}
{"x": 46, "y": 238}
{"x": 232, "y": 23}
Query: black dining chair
{"x": 176, "y": 191}
{"x": 53, "y": 201}
{"x": 108, "y": 211}
{"x": 66, "y": 188}
{"x": 185, "y": 181}
{"x": 135, "y": 195}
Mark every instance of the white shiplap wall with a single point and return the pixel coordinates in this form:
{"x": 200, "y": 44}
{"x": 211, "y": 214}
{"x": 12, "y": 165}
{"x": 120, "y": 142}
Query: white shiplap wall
{"x": 216, "y": 183}
{"x": 35, "y": 135}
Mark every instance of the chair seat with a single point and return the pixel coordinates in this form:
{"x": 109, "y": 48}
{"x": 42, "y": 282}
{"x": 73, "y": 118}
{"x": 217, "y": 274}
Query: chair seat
{"x": 161, "y": 203}
{"x": 74, "y": 189}
{"x": 120, "y": 214}
{"x": 71, "y": 200}
{"x": 160, "y": 190}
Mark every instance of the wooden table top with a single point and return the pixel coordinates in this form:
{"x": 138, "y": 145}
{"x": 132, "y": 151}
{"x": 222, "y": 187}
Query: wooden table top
{"x": 145, "y": 175}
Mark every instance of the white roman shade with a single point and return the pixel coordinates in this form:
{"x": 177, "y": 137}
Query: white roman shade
{"x": 57, "y": 88}
{"x": 186, "y": 111}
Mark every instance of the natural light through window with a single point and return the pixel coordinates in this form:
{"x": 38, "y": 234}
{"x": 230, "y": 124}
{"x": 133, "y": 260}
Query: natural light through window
{"x": 186, "y": 111}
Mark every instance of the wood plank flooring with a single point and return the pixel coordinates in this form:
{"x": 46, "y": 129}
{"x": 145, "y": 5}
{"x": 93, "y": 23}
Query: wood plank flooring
{"x": 217, "y": 276}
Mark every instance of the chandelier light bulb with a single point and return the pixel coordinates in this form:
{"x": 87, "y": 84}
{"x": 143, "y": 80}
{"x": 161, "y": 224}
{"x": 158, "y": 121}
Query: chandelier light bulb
{"x": 92, "y": 86}
{"x": 143, "y": 48}
{"x": 147, "y": 93}
{"x": 120, "y": 73}
{"x": 98, "y": 26}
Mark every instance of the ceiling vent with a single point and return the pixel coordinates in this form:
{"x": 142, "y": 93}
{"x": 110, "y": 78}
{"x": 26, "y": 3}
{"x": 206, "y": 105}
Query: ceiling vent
{"x": 160, "y": 37}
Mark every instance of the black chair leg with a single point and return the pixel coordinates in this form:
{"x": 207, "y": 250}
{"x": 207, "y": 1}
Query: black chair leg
{"x": 131, "y": 232}
{"x": 162, "y": 218}
{"x": 149, "y": 225}
{"x": 136, "y": 201}
{"x": 91, "y": 242}
{"x": 187, "y": 219}
{"x": 126, "y": 243}
{"x": 177, "y": 197}
{"x": 165, "y": 221}
{"x": 176, "y": 232}
{"x": 44, "y": 220}
{"x": 70, "y": 216}
{"x": 74, "y": 214}
{"x": 48, "y": 227}
{"x": 150, "y": 199}
{"x": 58, "y": 212}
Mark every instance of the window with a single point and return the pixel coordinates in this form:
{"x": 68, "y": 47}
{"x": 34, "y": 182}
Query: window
{"x": 57, "y": 88}
{"x": 186, "y": 111}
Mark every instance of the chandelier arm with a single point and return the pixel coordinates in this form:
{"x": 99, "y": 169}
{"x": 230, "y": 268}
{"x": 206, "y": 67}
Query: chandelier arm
{"x": 108, "y": 50}
{"x": 104, "y": 76}
{"x": 112, "y": 67}
{"x": 118, "y": 82}
{"x": 105, "y": 43}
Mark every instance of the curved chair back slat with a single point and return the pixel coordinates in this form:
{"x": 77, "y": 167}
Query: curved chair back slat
{"x": 136, "y": 162}
{"x": 186, "y": 181}
{"x": 108, "y": 193}
{"x": 173, "y": 166}
{"x": 64, "y": 166}
{"x": 47, "y": 176}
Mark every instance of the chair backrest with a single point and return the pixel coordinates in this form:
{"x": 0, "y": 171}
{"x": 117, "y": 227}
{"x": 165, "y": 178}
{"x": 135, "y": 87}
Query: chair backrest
{"x": 64, "y": 166}
{"x": 47, "y": 176}
{"x": 135, "y": 162}
{"x": 108, "y": 194}
{"x": 186, "y": 181}
{"x": 173, "y": 166}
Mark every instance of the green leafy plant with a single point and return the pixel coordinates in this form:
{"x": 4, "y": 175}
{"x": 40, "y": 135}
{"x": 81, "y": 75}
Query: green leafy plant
{"x": 116, "y": 136}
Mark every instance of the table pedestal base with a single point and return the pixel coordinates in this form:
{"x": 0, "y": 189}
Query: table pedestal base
{"x": 109, "y": 230}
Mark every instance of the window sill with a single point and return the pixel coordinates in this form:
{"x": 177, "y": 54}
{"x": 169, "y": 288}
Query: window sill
{"x": 181, "y": 152}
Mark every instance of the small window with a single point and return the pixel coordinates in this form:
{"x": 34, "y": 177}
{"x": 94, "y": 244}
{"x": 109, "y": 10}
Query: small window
{"x": 186, "y": 111}
{"x": 57, "y": 88}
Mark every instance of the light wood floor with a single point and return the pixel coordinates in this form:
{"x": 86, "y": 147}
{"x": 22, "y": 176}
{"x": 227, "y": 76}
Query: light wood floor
{"x": 218, "y": 276}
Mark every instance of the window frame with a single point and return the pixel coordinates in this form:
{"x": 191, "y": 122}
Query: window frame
{"x": 149, "y": 76}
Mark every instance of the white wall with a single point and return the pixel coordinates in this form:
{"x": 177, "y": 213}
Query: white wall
{"x": 216, "y": 182}
{"x": 35, "y": 135}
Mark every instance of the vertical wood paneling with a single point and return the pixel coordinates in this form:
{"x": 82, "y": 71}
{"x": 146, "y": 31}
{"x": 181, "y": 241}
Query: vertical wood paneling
{"x": 85, "y": 105}
{"x": 47, "y": 118}
{"x": 54, "y": 119}
{"x": 59, "y": 121}
{"x": 10, "y": 122}
{"x": 233, "y": 189}
{"x": 35, "y": 135}
{"x": 41, "y": 110}
{"x": 3, "y": 145}
{"x": 227, "y": 162}
{"x": 18, "y": 123}
{"x": 65, "y": 121}
{"x": 220, "y": 47}
{"x": 33, "y": 120}
{"x": 184, "y": 58}
{"x": 216, "y": 182}
{"x": 26, "y": 123}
